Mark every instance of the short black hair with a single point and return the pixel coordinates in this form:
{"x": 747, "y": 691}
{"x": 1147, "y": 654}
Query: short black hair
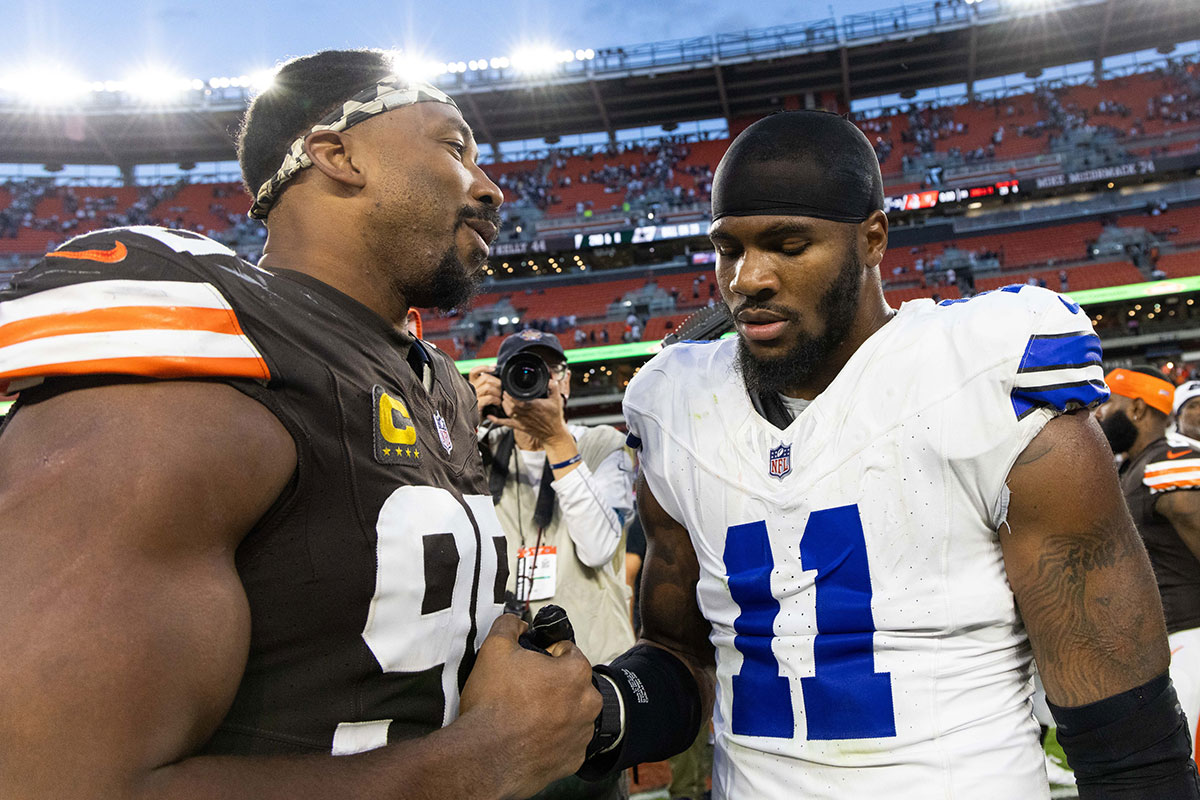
{"x": 304, "y": 91}
{"x": 1153, "y": 372}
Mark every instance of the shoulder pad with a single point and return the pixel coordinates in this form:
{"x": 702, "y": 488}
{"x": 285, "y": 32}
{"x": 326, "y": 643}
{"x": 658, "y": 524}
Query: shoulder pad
{"x": 1172, "y": 466}
{"x": 116, "y": 302}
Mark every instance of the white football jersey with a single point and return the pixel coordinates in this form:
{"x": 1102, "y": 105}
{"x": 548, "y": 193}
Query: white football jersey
{"x": 868, "y": 644}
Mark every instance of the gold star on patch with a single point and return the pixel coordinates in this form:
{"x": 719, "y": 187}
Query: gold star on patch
{"x": 417, "y": 453}
{"x": 387, "y": 451}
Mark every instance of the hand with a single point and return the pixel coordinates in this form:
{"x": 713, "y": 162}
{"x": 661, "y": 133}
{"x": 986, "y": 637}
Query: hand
{"x": 542, "y": 708}
{"x": 541, "y": 419}
{"x": 487, "y": 387}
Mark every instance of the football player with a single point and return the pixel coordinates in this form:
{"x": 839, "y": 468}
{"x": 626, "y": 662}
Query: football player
{"x": 869, "y": 520}
{"x": 1160, "y": 476}
{"x": 246, "y": 546}
{"x": 1186, "y": 414}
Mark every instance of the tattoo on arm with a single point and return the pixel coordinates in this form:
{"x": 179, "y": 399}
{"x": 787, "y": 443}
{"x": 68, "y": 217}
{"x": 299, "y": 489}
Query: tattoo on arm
{"x": 1078, "y": 570}
{"x": 1073, "y": 605}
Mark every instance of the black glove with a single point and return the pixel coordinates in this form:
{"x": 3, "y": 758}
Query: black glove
{"x": 549, "y": 626}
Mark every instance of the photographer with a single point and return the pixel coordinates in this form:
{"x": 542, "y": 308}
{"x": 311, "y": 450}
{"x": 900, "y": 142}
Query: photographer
{"x": 561, "y": 492}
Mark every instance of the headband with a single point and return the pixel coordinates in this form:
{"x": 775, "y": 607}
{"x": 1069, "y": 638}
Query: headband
{"x": 1157, "y": 393}
{"x": 388, "y": 93}
{"x": 799, "y": 164}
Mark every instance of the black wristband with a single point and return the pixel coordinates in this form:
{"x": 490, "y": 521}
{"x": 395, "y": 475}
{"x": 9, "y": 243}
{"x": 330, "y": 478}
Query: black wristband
{"x": 1130, "y": 746}
{"x": 662, "y": 711}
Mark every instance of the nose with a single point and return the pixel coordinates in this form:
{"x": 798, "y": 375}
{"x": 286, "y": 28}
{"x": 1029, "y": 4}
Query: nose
{"x": 754, "y": 276}
{"x": 484, "y": 189}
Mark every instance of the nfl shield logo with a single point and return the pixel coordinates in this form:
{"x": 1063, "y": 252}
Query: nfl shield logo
{"x": 781, "y": 461}
{"x": 443, "y": 432}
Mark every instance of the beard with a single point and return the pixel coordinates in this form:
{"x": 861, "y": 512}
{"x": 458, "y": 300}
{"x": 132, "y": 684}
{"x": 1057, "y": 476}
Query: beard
{"x": 810, "y": 352}
{"x": 452, "y": 283}
{"x": 1120, "y": 431}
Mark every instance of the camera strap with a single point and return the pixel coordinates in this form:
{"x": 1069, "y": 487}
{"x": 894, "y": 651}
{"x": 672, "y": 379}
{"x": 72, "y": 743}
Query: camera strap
{"x": 496, "y": 459}
{"x": 544, "y": 510}
{"x": 500, "y": 457}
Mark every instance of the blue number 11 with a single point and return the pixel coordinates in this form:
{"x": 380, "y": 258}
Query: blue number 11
{"x": 845, "y": 698}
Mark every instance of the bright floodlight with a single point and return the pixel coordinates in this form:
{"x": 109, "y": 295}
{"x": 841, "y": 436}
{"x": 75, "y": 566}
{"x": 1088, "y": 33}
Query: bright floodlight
{"x": 535, "y": 59}
{"x": 416, "y": 67}
{"x": 157, "y": 85}
{"x": 45, "y": 86}
{"x": 262, "y": 79}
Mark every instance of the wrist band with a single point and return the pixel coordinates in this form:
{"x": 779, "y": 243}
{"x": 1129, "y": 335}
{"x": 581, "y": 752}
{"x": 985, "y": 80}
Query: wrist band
{"x": 575, "y": 459}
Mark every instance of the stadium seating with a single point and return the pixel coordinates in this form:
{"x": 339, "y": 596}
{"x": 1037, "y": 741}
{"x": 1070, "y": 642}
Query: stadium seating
{"x": 678, "y": 172}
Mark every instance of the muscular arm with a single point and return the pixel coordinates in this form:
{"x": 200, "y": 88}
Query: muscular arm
{"x": 671, "y": 617}
{"x": 125, "y": 628}
{"x": 1182, "y": 508}
{"x": 1078, "y": 569}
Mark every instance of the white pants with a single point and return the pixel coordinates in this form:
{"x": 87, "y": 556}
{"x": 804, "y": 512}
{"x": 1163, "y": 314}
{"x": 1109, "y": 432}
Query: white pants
{"x": 1185, "y": 674}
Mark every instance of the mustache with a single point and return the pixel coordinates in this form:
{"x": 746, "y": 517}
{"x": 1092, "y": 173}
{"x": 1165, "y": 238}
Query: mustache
{"x": 774, "y": 308}
{"x": 485, "y": 213}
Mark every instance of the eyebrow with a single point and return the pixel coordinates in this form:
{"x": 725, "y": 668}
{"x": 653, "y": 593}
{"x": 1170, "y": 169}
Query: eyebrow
{"x": 460, "y": 126}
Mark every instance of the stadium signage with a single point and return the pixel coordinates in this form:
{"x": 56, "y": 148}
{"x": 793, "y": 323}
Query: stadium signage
{"x": 1145, "y": 167}
{"x": 646, "y": 233}
{"x": 518, "y": 248}
{"x": 935, "y": 197}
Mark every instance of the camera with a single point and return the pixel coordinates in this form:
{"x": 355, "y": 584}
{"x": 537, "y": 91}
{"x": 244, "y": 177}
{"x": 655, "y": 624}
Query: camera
{"x": 523, "y": 376}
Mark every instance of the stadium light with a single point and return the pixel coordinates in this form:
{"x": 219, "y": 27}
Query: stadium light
{"x": 155, "y": 84}
{"x": 262, "y": 80}
{"x": 45, "y": 86}
{"x": 536, "y": 59}
{"x": 416, "y": 67}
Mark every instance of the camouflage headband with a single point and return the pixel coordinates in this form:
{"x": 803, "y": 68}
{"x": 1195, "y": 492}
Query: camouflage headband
{"x": 388, "y": 93}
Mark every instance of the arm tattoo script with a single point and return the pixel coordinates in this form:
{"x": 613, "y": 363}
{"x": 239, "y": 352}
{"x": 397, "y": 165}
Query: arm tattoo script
{"x": 1085, "y": 616}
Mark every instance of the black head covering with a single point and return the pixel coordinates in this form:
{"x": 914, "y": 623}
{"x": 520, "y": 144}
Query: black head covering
{"x": 802, "y": 164}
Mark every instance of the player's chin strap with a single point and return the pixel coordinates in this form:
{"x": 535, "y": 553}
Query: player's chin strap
{"x": 1132, "y": 746}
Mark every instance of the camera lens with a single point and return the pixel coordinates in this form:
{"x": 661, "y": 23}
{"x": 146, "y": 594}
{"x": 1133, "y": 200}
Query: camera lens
{"x": 525, "y": 377}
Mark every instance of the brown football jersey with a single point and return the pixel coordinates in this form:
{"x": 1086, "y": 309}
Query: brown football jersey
{"x": 1161, "y": 468}
{"x": 377, "y": 573}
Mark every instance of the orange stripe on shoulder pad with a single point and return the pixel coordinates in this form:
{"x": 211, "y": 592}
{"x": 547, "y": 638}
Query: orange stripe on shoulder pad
{"x": 127, "y": 318}
{"x": 1170, "y": 468}
{"x": 1181, "y": 484}
{"x": 113, "y": 256}
{"x": 153, "y": 367}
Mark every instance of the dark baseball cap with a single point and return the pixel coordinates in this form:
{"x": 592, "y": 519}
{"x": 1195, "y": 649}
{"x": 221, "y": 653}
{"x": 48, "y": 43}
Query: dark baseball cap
{"x": 530, "y": 339}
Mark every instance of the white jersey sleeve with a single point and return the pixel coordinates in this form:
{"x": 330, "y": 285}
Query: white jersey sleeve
{"x": 1024, "y": 356}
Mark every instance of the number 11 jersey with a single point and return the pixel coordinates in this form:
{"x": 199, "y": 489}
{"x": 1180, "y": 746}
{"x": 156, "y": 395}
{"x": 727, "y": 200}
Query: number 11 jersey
{"x": 868, "y": 643}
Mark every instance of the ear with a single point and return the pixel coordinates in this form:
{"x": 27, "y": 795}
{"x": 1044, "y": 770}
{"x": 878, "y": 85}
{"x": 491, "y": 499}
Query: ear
{"x": 330, "y": 152}
{"x": 1137, "y": 409}
{"x": 873, "y": 238}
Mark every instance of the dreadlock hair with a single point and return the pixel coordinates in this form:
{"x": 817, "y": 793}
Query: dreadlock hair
{"x": 304, "y": 91}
